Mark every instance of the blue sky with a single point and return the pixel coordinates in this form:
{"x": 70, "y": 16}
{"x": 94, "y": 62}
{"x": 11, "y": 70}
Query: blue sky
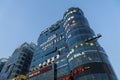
{"x": 23, "y": 20}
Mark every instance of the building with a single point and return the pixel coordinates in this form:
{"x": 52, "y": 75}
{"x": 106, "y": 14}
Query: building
{"x": 46, "y": 51}
{"x": 69, "y": 50}
{"x": 19, "y": 62}
{"x": 2, "y": 62}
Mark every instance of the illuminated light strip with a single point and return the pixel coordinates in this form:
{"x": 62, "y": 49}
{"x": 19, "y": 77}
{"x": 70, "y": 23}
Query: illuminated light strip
{"x": 62, "y": 48}
{"x": 75, "y": 47}
{"x": 71, "y": 51}
{"x": 94, "y": 51}
{"x": 77, "y": 55}
{"x": 63, "y": 65}
{"x": 70, "y": 59}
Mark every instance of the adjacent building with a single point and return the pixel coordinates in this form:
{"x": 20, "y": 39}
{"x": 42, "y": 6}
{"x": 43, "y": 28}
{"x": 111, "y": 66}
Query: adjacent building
{"x": 68, "y": 50}
{"x": 2, "y": 62}
{"x": 19, "y": 62}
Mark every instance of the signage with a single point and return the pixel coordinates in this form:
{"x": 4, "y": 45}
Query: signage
{"x": 49, "y": 39}
{"x": 40, "y": 71}
{"x": 73, "y": 73}
{"x": 76, "y": 71}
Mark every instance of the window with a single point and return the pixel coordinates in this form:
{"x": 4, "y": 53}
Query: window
{"x": 19, "y": 67}
{"x": 68, "y": 30}
{"x": 69, "y": 36}
{"x": 7, "y": 68}
{"x": 17, "y": 71}
{"x": 15, "y": 76}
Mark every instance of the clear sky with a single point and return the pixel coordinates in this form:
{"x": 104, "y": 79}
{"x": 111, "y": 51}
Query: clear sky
{"x": 23, "y": 20}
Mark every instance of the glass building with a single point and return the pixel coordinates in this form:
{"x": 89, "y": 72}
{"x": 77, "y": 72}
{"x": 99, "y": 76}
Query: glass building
{"x": 68, "y": 50}
{"x": 2, "y": 63}
{"x": 18, "y": 63}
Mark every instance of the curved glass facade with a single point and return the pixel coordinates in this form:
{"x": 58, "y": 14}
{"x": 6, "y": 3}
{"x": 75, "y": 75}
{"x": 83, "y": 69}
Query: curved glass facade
{"x": 70, "y": 47}
{"x": 87, "y": 55}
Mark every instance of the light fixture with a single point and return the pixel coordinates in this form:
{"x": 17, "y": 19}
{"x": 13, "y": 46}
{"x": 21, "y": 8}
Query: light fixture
{"x": 87, "y": 43}
{"x": 44, "y": 63}
{"x": 76, "y": 46}
{"x": 40, "y": 65}
{"x": 81, "y": 44}
{"x": 52, "y": 59}
{"x": 72, "y": 50}
{"x": 91, "y": 44}
{"x": 48, "y": 61}
{"x": 57, "y": 56}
